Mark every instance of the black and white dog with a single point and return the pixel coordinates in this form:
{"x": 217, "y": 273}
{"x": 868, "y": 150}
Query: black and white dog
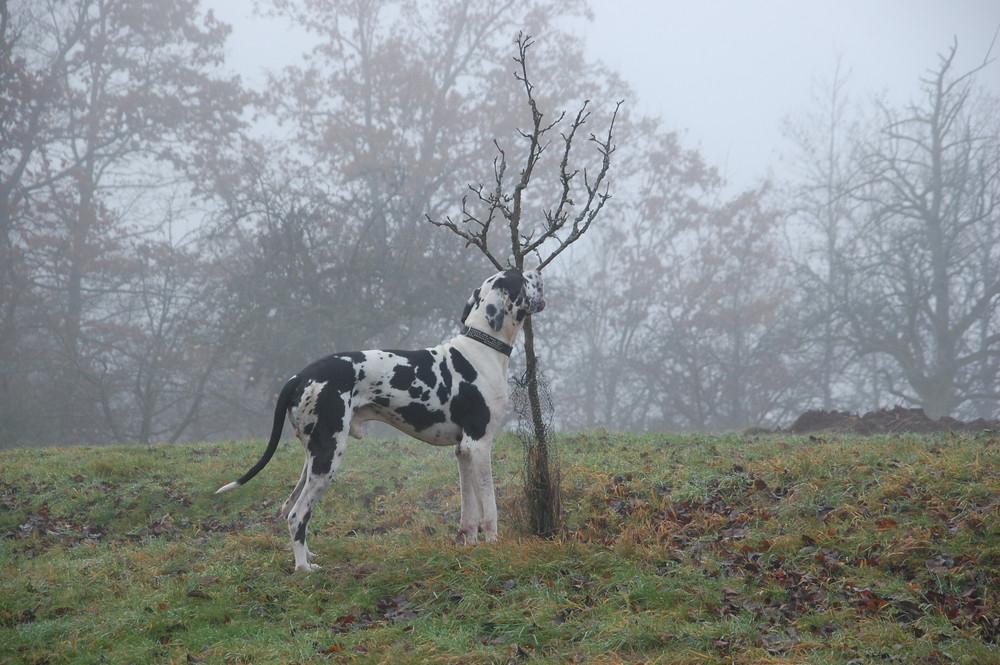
{"x": 454, "y": 394}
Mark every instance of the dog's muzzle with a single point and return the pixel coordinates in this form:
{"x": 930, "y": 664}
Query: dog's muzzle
{"x": 536, "y": 306}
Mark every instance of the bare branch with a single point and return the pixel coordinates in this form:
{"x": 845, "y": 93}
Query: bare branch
{"x": 495, "y": 201}
{"x": 596, "y": 198}
{"x": 475, "y": 229}
{"x": 535, "y": 150}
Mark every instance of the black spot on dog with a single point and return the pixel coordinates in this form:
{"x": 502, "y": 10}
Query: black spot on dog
{"x": 444, "y": 390}
{"x": 419, "y": 417}
{"x": 494, "y": 317}
{"x": 357, "y": 357}
{"x": 512, "y": 282}
{"x": 337, "y": 372}
{"x": 321, "y": 447}
{"x": 300, "y": 533}
{"x": 462, "y": 366}
{"x": 469, "y": 411}
{"x": 416, "y": 391}
{"x": 423, "y": 362}
{"x": 402, "y": 376}
{"x": 381, "y": 401}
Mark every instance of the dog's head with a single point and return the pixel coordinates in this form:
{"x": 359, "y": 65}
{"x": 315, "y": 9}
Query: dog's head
{"x": 507, "y": 297}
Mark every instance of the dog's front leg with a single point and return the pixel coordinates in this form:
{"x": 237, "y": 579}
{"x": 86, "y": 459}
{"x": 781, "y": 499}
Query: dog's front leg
{"x": 479, "y": 505}
{"x": 468, "y": 530}
{"x": 482, "y": 470}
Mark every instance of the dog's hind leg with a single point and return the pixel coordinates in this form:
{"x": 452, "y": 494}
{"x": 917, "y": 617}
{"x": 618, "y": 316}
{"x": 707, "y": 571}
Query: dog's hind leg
{"x": 287, "y": 506}
{"x": 323, "y": 460}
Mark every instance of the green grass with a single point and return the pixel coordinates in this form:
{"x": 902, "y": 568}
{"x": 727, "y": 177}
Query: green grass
{"x": 677, "y": 549}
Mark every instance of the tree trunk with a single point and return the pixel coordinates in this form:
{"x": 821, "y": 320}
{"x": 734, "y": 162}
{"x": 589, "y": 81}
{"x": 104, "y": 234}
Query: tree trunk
{"x": 541, "y": 477}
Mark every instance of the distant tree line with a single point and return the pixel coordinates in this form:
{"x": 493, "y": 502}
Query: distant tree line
{"x": 869, "y": 278}
{"x": 173, "y": 242}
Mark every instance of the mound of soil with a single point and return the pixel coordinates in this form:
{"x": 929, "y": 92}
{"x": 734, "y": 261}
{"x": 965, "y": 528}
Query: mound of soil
{"x": 885, "y": 421}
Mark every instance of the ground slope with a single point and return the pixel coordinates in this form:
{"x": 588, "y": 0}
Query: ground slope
{"x": 677, "y": 549}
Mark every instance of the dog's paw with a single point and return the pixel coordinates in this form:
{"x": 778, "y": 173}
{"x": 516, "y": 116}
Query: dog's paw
{"x": 466, "y": 537}
{"x": 307, "y": 568}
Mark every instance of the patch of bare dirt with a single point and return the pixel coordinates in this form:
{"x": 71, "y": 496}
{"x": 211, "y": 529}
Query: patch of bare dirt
{"x": 886, "y": 421}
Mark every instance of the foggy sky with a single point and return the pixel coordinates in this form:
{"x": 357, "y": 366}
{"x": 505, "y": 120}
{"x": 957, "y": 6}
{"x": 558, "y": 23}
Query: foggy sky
{"x": 726, "y": 72}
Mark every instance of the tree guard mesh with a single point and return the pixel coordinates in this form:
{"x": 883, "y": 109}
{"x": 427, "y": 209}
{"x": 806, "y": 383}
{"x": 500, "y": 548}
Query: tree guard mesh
{"x": 541, "y": 469}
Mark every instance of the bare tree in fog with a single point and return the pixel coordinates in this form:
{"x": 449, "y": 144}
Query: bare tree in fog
{"x": 918, "y": 282}
{"x": 822, "y": 213}
{"x": 101, "y": 100}
{"x": 731, "y": 342}
{"x": 610, "y": 323}
{"x": 687, "y": 320}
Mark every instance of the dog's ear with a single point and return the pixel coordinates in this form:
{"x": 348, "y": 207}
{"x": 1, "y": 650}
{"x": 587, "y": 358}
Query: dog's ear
{"x": 469, "y": 305}
{"x": 494, "y": 317}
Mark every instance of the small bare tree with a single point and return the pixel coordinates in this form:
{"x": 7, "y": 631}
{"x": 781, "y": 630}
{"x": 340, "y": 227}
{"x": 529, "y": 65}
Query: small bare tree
{"x": 561, "y": 225}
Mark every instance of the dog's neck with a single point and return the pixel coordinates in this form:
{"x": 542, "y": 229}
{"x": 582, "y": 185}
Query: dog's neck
{"x": 477, "y": 326}
{"x": 488, "y": 340}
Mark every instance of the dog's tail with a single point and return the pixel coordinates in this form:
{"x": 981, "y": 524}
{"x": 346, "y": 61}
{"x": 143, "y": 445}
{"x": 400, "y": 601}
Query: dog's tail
{"x": 280, "y": 409}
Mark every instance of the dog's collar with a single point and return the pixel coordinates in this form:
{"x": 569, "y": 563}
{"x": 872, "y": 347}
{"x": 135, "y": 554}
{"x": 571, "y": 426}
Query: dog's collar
{"x": 488, "y": 340}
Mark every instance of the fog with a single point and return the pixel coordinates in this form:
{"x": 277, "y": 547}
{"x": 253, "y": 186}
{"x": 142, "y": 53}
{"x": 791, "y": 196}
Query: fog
{"x": 728, "y": 73}
{"x": 724, "y": 73}
{"x": 804, "y": 205}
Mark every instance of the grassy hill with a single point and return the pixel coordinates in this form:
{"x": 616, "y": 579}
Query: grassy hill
{"x": 678, "y": 549}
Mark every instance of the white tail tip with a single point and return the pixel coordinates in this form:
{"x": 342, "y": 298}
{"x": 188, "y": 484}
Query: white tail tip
{"x": 226, "y": 488}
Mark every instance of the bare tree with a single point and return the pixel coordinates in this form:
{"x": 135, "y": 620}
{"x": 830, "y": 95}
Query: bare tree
{"x": 693, "y": 321}
{"x": 918, "y": 283}
{"x": 730, "y": 338}
{"x": 822, "y": 214}
{"x": 627, "y": 266}
{"x": 96, "y": 120}
{"x": 578, "y": 204}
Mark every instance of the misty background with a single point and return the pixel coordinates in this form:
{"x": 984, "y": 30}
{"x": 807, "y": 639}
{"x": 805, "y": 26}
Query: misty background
{"x": 197, "y": 199}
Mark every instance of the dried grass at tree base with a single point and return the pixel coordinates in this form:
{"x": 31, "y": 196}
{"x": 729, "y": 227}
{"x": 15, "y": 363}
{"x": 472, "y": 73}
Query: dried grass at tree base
{"x": 542, "y": 495}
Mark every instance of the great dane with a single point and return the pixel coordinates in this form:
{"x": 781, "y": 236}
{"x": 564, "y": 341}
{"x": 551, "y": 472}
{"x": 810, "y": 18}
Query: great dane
{"x": 454, "y": 394}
